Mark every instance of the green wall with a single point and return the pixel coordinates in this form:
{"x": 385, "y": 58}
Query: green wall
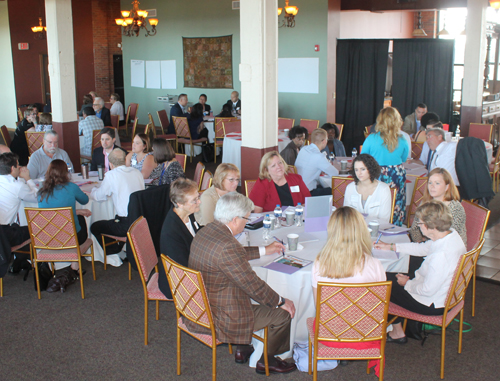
{"x": 196, "y": 18}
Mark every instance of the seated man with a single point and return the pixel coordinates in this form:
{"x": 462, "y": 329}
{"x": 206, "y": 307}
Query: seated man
{"x": 412, "y": 122}
{"x": 118, "y": 183}
{"x": 86, "y": 127}
{"x": 429, "y": 119}
{"x": 231, "y": 284}
{"x": 298, "y": 136}
{"x": 100, "y": 156}
{"x": 101, "y": 111}
{"x": 179, "y": 109}
{"x": 41, "y": 158}
{"x": 311, "y": 163}
{"x": 235, "y": 103}
{"x": 117, "y": 109}
{"x": 440, "y": 154}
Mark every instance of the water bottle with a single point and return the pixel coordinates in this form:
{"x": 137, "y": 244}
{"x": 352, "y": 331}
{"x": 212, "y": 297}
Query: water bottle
{"x": 278, "y": 213}
{"x": 299, "y": 211}
{"x": 457, "y": 132}
{"x": 354, "y": 153}
{"x": 267, "y": 228}
{"x": 70, "y": 168}
{"x": 332, "y": 158}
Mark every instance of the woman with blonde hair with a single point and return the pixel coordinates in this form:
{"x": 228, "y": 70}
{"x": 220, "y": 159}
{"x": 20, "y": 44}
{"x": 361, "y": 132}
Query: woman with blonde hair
{"x": 390, "y": 149}
{"x": 275, "y": 186}
{"x": 226, "y": 179}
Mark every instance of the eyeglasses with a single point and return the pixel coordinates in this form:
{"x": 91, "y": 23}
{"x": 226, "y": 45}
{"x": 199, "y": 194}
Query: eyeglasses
{"x": 194, "y": 200}
{"x": 233, "y": 180}
{"x": 248, "y": 219}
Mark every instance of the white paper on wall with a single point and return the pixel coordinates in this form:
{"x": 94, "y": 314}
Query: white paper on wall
{"x": 137, "y": 73}
{"x": 153, "y": 80}
{"x": 168, "y": 75}
{"x": 298, "y": 75}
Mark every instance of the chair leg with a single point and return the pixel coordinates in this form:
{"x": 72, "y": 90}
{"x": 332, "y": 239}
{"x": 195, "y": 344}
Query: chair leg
{"x": 215, "y": 152}
{"x": 404, "y": 324}
{"x": 214, "y": 361}
{"x": 266, "y": 359}
{"x": 178, "y": 348}
{"x": 474, "y": 290}
{"x": 309, "y": 368}
{"x": 315, "y": 363}
{"x": 145, "y": 320}
{"x": 191, "y": 153}
{"x": 443, "y": 339}
{"x": 230, "y": 348}
{"x": 157, "y": 310}
{"x": 81, "y": 276}
{"x": 368, "y": 367}
{"x": 104, "y": 251}
{"x": 1, "y": 287}
{"x": 37, "y": 281}
{"x": 92, "y": 257}
{"x": 129, "y": 271}
{"x": 460, "y": 331}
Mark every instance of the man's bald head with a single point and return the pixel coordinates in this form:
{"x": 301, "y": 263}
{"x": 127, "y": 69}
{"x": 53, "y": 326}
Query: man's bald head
{"x": 117, "y": 157}
{"x": 4, "y": 149}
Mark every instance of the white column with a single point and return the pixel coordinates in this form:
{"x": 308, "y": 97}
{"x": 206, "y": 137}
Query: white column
{"x": 259, "y": 73}
{"x": 8, "y": 104}
{"x": 61, "y": 60}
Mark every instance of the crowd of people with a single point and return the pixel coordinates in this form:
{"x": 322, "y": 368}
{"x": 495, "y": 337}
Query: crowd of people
{"x": 198, "y": 231}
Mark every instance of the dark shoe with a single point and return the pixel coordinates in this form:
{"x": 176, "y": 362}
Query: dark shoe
{"x": 344, "y": 362}
{"x": 280, "y": 366}
{"x": 242, "y": 354}
{"x": 401, "y": 340}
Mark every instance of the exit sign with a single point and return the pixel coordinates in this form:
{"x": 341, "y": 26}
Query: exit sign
{"x": 23, "y": 46}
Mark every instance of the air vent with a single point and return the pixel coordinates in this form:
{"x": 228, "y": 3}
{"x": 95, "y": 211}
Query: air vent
{"x": 151, "y": 12}
{"x": 236, "y": 5}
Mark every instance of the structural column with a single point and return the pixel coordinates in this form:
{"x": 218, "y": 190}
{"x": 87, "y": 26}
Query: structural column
{"x": 475, "y": 54}
{"x": 62, "y": 76}
{"x": 331, "y": 76}
{"x": 259, "y": 82}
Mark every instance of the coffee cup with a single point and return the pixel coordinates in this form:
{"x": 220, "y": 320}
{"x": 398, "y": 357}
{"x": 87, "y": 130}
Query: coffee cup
{"x": 273, "y": 221}
{"x": 85, "y": 171}
{"x": 293, "y": 242}
{"x": 290, "y": 217}
{"x": 374, "y": 226}
{"x": 343, "y": 165}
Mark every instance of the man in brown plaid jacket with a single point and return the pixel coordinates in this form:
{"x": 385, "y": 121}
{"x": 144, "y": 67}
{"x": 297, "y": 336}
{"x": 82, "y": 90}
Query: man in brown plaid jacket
{"x": 231, "y": 283}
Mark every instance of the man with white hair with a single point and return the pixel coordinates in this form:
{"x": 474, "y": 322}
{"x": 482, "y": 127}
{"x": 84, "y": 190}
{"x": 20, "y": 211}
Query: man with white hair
{"x": 101, "y": 111}
{"x": 231, "y": 284}
{"x": 41, "y": 158}
{"x": 441, "y": 154}
{"x": 235, "y": 102}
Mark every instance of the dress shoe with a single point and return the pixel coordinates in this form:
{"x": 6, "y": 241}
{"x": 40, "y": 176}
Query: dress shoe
{"x": 344, "y": 362}
{"x": 279, "y": 366}
{"x": 401, "y": 340}
{"x": 242, "y": 355}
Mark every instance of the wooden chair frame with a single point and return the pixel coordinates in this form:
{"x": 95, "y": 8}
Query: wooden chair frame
{"x": 341, "y": 129}
{"x": 5, "y": 135}
{"x": 220, "y": 133}
{"x": 285, "y": 123}
{"x": 96, "y": 141}
{"x": 480, "y": 125}
{"x": 161, "y": 119}
{"x": 416, "y": 198}
{"x": 292, "y": 169}
{"x": 34, "y": 140}
{"x": 339, "y": 185}
{"x": 393, "y": 203}
{"x": 16, "y": 249}
{"x": 181, "y": 158}
{"x": 205, "y": 184}
{"x": 115, "y": 121}
{"x": 131, "y": 116}
{"x": 416, "y": 150}
{"x": 495, "y": 174}
{"x": 184, "y": 134}
{"x": 199, "y": 172}
{"x": 249, "y": 184}
{"x": 115, "y": 239}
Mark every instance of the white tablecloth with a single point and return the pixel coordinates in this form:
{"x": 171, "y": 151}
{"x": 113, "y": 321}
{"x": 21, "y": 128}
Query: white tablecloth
{"x": 297, "y": 286}
{"x": 231, "y": 152}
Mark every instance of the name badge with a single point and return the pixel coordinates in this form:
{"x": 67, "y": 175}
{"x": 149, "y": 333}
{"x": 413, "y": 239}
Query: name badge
{"x": 134, "y": 162}
{"x": 295, "y": 189}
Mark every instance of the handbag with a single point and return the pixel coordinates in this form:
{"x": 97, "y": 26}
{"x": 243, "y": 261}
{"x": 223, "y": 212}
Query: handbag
{"x": 301, "y": 357}
{"x": 208, "y": 152}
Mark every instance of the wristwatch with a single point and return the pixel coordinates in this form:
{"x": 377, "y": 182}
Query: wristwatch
{"x": 281, "y": 303}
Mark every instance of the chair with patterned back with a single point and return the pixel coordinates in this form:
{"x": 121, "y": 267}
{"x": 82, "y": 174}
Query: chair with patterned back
{"x": 145, "y": 257}
{"x": 171, "y": 137}
{"x": 206, "y": 181}
{"x": 495, "y": 171}
{"x": 115, "y": 239}
{"x": 96, "y": 142}
{"x": 416, "y": 150}
{"x": 132, "y": 110}
{"x": 309, "y": 124}
{"x": 115, "y": 121}
{"x": 285, "y": 124}
{"x": 341, "y": 129}
{"x": 34, "y": 140}
{"x": 349, "y": 313}
{"x": 476, "y": 222}
{"x": 454, "y": 304}
{"x": 181, "y": 158}
{"x": 164, "y": 122}
{"x": 394, "y": 191}
{"x": 19, "y": 114}
{"x": 184, "y": 135}
{"x": 220, "y": 132}
{"x": 191, "y": 302}
{"x": 5, "y": 135}
{"x": 339, "y": 185}
{"x": 249, "y": 184}
{"x": 481, "y": 131}
{"x": 198, "y": 174}
{"x": 232, "y": 127}
{"x": 292, "y": 169}
{"x": 17, "y": 249}
{"x": 54, "y": 239}
{"x": 416, "y": 198}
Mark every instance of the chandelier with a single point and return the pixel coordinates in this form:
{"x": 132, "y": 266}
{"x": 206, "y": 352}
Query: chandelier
{"x": 290, "y": 13}
{"x": 495, "y": 4}
{"x": 39, "y": 30}
{"x": 135, "y": 20}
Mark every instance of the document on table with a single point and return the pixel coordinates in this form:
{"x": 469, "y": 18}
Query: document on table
{"x": 288, "y": 264}
{"x": 385, "y": 254}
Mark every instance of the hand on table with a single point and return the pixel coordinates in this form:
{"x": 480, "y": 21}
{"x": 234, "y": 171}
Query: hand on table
{"x": 382, "y": 246}
{"x": 289, "y": 307}
{"x": 275, "y": 247}
{"x": 402, "y": 279}
{"x": 83, "y": 212}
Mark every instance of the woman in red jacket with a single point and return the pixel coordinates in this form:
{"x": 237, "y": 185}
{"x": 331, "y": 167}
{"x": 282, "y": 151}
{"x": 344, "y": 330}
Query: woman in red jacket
{"x": 276, "y": 186}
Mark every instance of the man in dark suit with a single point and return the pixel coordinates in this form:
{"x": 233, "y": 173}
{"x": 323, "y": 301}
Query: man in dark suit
{"x": 179, "y": 109}
{"x": 100, "y": 154}
{"x": 235, "y": 102}
{"x": 102, "y": 112}
{"x": 231, "y": 284}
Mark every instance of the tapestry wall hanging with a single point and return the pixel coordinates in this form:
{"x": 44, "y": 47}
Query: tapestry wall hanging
{"x": 208, "y": 62}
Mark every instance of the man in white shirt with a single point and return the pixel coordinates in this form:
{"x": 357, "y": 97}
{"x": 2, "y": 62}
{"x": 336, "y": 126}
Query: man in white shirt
{"x": 235, "y": 103}
{"x": 117, "y": 108}
{"x": 118, "y": 183}
{"x": 311, "y": 163}
{"x": 41, "y": 158}
{"x": 441, "y": 154}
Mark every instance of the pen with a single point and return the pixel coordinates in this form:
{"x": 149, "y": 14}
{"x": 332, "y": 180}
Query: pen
{"x": 280, "y": 241}
{"x": 390, "y": 228}
{"x": 378, "y": 239}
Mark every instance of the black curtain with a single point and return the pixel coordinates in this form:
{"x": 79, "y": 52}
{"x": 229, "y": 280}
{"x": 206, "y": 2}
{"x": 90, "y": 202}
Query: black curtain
{"x": 361, "y": 76}
{"x": 422, "y": 72}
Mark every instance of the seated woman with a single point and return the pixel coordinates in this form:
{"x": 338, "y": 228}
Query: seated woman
{"x": 441, "y": 187}
{"x": 203, "y": 101}
{"x": 226, "y": 179}
{"x": 168, "y": 169}
{"x": 226, "y": 112}
{"x": 424, "y": 290}
{"x": 196, "y": 126}
{"x": 179, "y": 227}
{"x": 368, "y": 195}
{"x": 45, "y": 123}
{"x": 276, "y": 186}
{"x": 141, "y": 158}
{"x": 59, "y": 192}
{"x": 346, "y": 258}
{"x": 334, "y": 145}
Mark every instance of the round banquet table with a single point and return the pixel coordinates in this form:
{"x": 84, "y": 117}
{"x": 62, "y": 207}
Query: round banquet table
{"x": 297, "y": 286}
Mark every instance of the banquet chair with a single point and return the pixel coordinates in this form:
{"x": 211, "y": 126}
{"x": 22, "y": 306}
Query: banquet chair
{"x": 96, "y": 142}
{"x": 292, "y": 169}
{"x": 232, "y": 127}
{"x": 145, "y": 256}
{"x": 184, "y": 134}
{"x": 191, "y": 301}
{"x": 108, "y": 105}
{"x": 53, "y": 231}
{"x": 341, "y": 129}
{"x": 206, "y": 181}
{"x": 5, "y": 135}
{"x": 20, "y": 114}
{"x": 115, "y": 121}
{"x": 349, "y": 313}
{"x": 495, "y": 171}
{"x": 481, "y": 131}
{"x": 34, "y": 140}
{"x": 416, "y": 198}
{"x": 169, "y": 137}
{"x": 115, "y": 239}
{"x": 128, "y": 145}
{"x": 339, "y": 185}
{"x": 164, "y": 122}
{"x": 454, "y": 304}
{"x": 476, "y": 222}
{"x": 309, "y": 124}
{"x": 181, "y": 158}
{"x": 198, "y": 173}
{"x": 220, "y": 133}
{"x": 393, "y": 203}
{"x": 367, "y": 131}
{"x": 249, "y": 184}
{"x": 16, "y": 249}
{"x": 416, "y": 150}
{"x": 285, "y": 124}
{"x": 132, "y": 111}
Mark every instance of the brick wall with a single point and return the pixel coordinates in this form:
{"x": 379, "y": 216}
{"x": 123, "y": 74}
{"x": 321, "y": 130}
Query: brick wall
{"x": 106, "y": 36}
{"x": 429, "y": 23}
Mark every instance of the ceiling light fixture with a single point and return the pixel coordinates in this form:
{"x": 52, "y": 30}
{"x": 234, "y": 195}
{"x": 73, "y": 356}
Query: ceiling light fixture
{"x": 135, "y": 20}
{"x": 495, "y": 4}
{"x": 419, "y": 32}
{"x": 290, "y": 13}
